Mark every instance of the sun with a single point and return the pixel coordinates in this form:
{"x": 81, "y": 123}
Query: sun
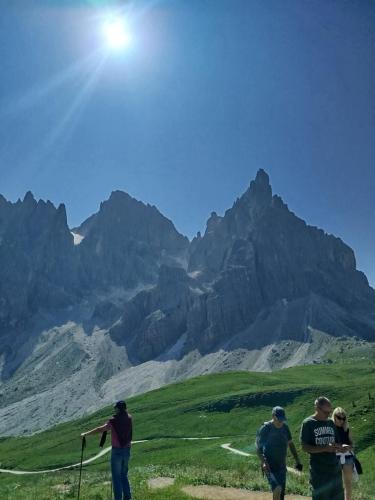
{"x": 116, "y": 34}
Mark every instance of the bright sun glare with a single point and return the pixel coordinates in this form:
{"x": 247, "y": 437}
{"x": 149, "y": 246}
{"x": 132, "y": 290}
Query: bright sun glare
{"x": 116, "y": 34}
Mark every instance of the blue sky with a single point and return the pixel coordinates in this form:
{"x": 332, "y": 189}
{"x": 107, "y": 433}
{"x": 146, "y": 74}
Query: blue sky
{"x": 207, "y": 92}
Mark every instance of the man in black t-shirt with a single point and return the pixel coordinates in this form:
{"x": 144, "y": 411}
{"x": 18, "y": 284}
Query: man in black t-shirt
{"x": 319, "y": 439}
{"x": 273, "y": 440}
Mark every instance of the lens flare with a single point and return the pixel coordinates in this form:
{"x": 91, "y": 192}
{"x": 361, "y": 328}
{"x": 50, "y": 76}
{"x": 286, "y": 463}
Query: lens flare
{"x": 116, "y": 34}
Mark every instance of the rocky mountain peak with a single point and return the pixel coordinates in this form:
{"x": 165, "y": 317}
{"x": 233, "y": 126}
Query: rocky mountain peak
{"x": 285, "y": 256}
{"x": 119, "y": 195}
{"x": 129, "y": 232}
{"x": 29, "y": 202}
{"x": 238, "y": 223}
{"x": 121, "y": 212}
{"x": 120, "y": 199}
{"x": 61, "y": 215}
{"x": 213, "y": 222}
{"x": 5, "y": 207}
{"x": 3, "y": 201}
{"x": 258, "y": 195}
{"x": 261, "y": 183}
{"x": 128, "y": 218}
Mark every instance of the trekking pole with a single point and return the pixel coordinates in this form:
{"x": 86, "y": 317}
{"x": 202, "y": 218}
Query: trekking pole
{"x": 80, "y": 468}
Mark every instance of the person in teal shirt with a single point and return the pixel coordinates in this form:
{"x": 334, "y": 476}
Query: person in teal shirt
{"x": 273, "y": 440}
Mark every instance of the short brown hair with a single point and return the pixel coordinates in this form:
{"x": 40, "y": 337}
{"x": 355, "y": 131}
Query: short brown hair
{"x": 322, "y": 401}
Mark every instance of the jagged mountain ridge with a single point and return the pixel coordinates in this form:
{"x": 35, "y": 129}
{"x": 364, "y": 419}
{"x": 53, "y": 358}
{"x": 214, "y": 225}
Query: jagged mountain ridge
{"x": 125, "y": 303}
{"x": 36, "y": 260}
{"x": 248, "y": 262}
{"x": 126, "y": 242}
{"x": 41, "y": 267}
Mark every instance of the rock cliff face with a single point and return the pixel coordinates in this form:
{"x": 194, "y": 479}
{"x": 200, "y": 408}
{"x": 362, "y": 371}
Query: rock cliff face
{"x": 37, "y": 264}
{"x": 126, "y": 242}
{"x": 125, "y": 297}
{"x": 154, "y": 320}
{"x": 259, "y": 261}
{"x": 285, "y": 257}
{"x": 42, "y": 267}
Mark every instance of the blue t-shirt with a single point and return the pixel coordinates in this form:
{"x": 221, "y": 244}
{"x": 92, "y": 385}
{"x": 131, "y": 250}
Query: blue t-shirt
{"x": 273, "y": 442}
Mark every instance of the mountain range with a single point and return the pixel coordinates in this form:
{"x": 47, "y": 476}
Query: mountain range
{"x": 124, "y": 303}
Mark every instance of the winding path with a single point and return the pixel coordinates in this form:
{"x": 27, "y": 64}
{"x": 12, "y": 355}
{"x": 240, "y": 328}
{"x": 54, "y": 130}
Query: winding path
{"x": 226, "y": 446}
{"x": 89, "y": 460}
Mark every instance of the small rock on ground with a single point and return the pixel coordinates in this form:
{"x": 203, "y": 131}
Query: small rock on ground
{"x": 62, "y": 488}
{"x": 160, "y": 482}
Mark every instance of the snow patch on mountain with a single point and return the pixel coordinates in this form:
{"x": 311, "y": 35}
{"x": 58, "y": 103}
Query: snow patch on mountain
{"x": 77, "y": 238}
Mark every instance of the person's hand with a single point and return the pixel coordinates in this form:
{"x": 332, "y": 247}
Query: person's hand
{"x": 346, "y": 447}
{"x": 265, "y": 467}
{"x": 298, "y": 466}
{"x": 333, "y": 448}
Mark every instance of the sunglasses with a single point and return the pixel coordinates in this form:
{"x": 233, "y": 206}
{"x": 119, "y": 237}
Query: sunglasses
{"x": 340, "y": 418}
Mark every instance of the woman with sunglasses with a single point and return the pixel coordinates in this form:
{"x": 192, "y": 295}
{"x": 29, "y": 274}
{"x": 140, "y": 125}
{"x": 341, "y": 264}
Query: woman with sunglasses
{"x": 341, "y": 422}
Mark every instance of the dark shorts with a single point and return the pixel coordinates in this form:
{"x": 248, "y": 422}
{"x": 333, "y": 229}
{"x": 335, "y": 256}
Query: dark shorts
{"x": 349, "y": 460}
{"x": 327, "y": 486}
{"x": 277, "y": 478}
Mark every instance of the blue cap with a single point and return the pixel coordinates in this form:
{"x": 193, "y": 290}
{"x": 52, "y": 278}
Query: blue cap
{"x": 120, "y": 405}
{"x": 279, "y": 413}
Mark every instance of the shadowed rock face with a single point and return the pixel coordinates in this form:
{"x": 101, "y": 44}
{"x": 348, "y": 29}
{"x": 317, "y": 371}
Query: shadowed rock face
{"x": 258, "y": 261}
{"x": 256, "y": 255}
{"x": 126, "y": 242}
{"x": 37, "y": 262}
{"x": 285, "y": 257}
{"x": 154, "y": 320}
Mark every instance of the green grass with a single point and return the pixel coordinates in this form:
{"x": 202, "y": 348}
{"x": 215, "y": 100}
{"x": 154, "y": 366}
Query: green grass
{"x": 350, "y": 350}
{"x": 230, "y": 406}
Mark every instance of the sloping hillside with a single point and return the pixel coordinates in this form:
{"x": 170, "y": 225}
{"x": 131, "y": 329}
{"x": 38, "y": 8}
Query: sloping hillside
{"x": 228, "y": 406}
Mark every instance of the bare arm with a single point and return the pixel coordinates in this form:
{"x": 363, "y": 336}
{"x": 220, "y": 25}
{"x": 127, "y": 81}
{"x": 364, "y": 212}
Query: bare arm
{"x": 293, "y": 451}
{"x": 263, "y": 460}
{"x": 260, "y": 452}
{"x": 97, "y": 430}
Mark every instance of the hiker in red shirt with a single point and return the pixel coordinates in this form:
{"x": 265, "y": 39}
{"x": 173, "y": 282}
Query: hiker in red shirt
{"x": 121, "y": 428}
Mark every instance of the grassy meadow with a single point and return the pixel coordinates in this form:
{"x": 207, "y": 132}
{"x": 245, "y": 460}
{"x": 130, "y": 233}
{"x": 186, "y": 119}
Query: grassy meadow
{"x": 229, "y": 407}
